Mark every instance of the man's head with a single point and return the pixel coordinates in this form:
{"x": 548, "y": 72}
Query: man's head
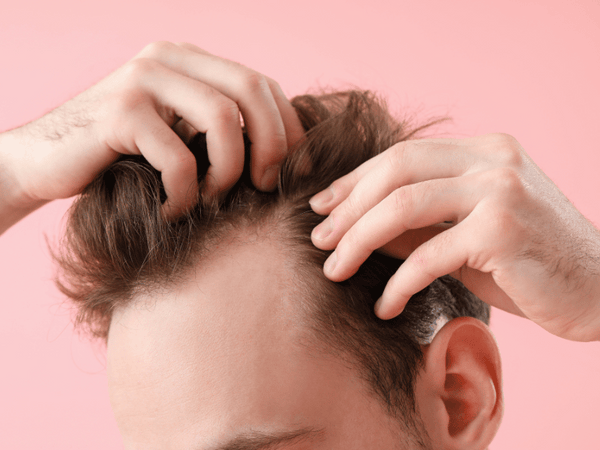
{"x": 223, "y": 325}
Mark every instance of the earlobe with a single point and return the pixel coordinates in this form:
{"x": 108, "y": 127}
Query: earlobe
{"x": 459, "y": 390}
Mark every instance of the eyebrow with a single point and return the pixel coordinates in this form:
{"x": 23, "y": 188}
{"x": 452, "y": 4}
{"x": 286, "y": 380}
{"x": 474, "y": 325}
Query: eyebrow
{"x": 258, "y": 440}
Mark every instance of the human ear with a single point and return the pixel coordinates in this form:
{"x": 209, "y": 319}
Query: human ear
{"x": 459, "y": 390}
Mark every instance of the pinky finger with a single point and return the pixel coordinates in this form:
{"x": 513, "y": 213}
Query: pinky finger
{"x": 439, "y": 256}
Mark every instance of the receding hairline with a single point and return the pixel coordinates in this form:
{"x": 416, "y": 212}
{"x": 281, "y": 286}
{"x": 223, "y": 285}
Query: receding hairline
{"x": 223, "y": 244}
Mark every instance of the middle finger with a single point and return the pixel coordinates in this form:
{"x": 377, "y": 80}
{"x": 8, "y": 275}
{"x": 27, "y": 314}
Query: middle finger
{"x": 403, "y": 164}
{"x": 407, "y": 208}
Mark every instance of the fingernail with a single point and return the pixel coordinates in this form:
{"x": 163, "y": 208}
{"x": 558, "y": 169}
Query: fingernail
{"x": 383, "y": 311}
{"x": 269, "y": 179}
{"x": 377, "y": 307}
{"x": 329, "y": 266}
{"x": 322, "y": 198}
{"x": 323, "y": 230}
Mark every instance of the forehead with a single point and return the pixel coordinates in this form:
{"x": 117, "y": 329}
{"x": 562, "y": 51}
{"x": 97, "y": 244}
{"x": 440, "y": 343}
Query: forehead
{"x": 223, "y": 353}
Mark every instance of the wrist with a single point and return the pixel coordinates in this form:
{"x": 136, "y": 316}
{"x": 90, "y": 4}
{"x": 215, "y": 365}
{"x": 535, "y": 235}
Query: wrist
{"x": 14, "y": 201}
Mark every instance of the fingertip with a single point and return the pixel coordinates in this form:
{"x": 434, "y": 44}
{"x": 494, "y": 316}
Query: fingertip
{"x": 210, "y": 186}
{"x": 386, "y": 309}
{"x": 173, "y": 210}
{"x": 377, "y": 308}
{"x": 270, "y": 178}
{"x": 321, "y": 232}
{"x": 340, "y": 269}
{"x": 266, "y": 162}
{"x": 223, "y": 173}
{"x": 170, "y": 211}
{"x": 320, "y": 202}
{"x": 321, "y": 244}
{"x": 179, "y": 202}
{"x": 329, "y": 266}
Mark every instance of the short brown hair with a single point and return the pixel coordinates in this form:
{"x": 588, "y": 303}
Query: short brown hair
{"x": 118, "y": 244}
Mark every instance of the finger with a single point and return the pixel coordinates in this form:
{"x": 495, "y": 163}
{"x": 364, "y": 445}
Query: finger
{"x": 479, "y": 283}
{"x": 185, "y": 131}
{"x": 409, "y": 207}
{"x": 293, "y": 127}
{"x": 415, "y": 274}
{"x": 441, "y": 255}
{"x": 193, "y": 48}
{"x": 206, "y": 110}
{"x": 404, "y": 164}
{"x": 249, "y": 89}
{"x": 163, "y": 149}
{"x": 324, "y": 202}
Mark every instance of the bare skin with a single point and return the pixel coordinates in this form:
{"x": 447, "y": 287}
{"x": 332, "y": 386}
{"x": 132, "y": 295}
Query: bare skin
{"x": 222, "y": 356}
{"x": 515, "y": 240}
{"x": 224, "y": 361}
{"x": 517, "y": 243}
{"x": 146, "y": 107}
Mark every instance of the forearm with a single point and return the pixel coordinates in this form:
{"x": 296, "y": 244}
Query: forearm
{"x": 14, "y": 204}
{"x": 593, "y": 320}
{"x": 583, "y": 279}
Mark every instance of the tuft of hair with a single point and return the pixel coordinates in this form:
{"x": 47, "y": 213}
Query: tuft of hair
{"x": 117, "y": 244}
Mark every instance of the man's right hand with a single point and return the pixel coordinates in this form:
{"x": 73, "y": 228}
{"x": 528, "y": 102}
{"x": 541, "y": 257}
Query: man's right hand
{"x": 135, "y": 110}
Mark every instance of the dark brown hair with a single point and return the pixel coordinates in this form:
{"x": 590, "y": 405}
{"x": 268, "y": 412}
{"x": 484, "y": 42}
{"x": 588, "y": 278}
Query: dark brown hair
{"x": 117, "y": 244}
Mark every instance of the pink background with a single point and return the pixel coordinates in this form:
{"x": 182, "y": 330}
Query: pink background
{"x": 528, "y": 68}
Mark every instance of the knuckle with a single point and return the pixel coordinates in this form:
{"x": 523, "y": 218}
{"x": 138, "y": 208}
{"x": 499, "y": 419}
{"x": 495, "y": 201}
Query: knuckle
{"x": 352, "y": 206}
{"x": 183, "y": 162}
{"x": 354, "y": 245}
{"x": 507, "y": 149}
{"x": 505, "y": 138}
{"x": 274, "y": 85}
{"x": 404, "y": 201}
{"x": 138, "y": 69}
{"x": 499, "y": 224}
{"x": 426, "y": 253}
{"x": 253, "y": 82}
{"x": 507, "y": 182}
{"x": 186, "y": 45}
{"x": 226, "y": 111}
{"x": 402, "y": 155}
{"x": 420, "y": 258}
{"x": 396, "y": 156}
{"x": 158, "y": 49}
